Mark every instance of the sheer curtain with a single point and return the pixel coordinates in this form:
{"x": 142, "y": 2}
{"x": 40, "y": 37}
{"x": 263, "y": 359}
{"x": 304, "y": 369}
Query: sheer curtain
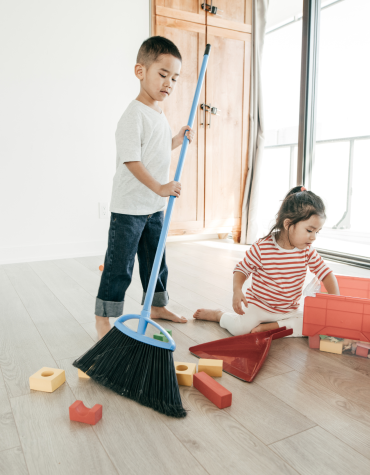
{"x": 249, "y": 226}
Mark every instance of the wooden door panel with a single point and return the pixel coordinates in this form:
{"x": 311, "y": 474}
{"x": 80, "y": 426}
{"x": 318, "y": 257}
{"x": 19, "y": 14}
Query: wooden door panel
{"x": 235, "y": 15}
{"x": 228, "y": 80}
{"x": 187, "y": 10}
{"x": 184, "y": 5}
{"x": 190, "y": 39}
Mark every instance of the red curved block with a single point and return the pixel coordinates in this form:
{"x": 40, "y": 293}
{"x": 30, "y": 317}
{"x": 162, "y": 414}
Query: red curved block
{"x": 80, "y": 413}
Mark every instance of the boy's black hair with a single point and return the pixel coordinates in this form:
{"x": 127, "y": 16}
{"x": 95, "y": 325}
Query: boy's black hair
{"x": 154, "y": 47}
{"x": 298, "y": 205}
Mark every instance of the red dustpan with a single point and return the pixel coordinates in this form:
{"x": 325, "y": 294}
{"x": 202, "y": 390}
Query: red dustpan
{"x": 243, "y": 355}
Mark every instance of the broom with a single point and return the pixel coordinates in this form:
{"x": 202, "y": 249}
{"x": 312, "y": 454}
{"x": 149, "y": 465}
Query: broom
{"x": 129, "y": 362}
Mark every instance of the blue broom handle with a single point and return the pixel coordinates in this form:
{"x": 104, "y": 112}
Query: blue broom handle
{"x": 166, "y": 225}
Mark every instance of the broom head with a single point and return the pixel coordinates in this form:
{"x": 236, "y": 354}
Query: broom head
{"x": 136, "y": 366}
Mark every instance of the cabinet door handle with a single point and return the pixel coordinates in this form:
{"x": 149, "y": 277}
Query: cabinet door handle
{"x": 210, "y": 8}
{"x": 205, "y": 108}
{"x": 214, "y": 111}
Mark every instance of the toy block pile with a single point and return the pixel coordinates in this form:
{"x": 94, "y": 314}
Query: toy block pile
{"x": 339, "y": 346}
{"x": 50, "y": 379}
{"x": 203, "y": 381}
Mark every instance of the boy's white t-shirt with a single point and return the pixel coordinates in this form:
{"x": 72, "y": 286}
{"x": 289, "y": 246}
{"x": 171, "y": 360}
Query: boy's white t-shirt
{"x": 142, "y": 135}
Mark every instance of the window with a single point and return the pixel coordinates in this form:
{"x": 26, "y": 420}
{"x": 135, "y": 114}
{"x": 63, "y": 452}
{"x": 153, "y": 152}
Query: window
{"x": 339, "y": 169}
{"x": 341, "y": 166}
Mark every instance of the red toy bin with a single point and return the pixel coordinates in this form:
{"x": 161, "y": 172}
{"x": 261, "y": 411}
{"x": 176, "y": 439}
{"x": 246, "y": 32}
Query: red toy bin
{"x": 352, "y": 286}
{"x": 341, "y": 316}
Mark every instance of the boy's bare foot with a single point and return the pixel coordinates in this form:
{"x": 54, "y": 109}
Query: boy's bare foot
{"x": 262, "y": 327}
{"x": 162, "y": 312}
{"x": 208, "y": 314}
{"x": 102, "y": 326}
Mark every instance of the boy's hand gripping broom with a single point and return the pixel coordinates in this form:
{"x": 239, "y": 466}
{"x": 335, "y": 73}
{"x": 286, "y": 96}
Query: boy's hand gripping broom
{"x": 128, "y": 362}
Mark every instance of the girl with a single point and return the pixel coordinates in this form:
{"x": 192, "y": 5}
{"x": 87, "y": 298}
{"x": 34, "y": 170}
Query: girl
{"x": 278, "y": 263}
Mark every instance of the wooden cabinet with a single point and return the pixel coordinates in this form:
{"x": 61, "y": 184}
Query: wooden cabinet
{"x": 215, "y": 169}
{"x": 227, "y": 89}
{"x": 190, "y": 38}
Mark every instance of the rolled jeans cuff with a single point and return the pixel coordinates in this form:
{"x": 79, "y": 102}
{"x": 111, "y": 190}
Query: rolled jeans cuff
{"x": 108, "y": 309}
{"x": 160, "y": 299}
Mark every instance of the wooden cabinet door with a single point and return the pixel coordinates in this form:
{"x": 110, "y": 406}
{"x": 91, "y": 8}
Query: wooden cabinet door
{"x": 233, "y": 15}
{"x": 227, "y": 89}
{"x": 187, "y": 10}
{"x": 188, "y": 215}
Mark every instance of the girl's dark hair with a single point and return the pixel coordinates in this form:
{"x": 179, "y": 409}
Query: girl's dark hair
{"x": 298, "y": 205}
{"x": 154, "y": 47}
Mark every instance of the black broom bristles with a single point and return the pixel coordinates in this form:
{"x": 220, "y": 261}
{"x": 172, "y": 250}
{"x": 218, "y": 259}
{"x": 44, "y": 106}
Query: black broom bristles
{"x": 135, "y": 370}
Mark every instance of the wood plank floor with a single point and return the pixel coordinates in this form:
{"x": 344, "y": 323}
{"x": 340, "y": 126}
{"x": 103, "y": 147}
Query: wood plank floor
{"x": 305, "y": 413}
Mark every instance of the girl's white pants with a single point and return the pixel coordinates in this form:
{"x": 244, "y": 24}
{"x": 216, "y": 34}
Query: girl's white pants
{"x": 242, "y": 324}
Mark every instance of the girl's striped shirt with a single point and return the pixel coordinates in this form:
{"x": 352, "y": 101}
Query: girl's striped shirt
{"x": 279, "y": 274}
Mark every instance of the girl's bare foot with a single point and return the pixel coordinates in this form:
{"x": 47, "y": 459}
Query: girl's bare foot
{"x": 208, "y": 314}
{"x": 162, "y": 312}
{"x": 102, "y": 326}
{"x": 262, "y": 327}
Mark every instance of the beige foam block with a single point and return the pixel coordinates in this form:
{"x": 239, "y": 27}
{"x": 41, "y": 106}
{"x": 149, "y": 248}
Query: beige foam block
{"x": 81, "y": 374}
{"x": 211, "y": 367}
{"x": 185, "y": 372}
{"x": 331, "y": 347}
{"x": 47, "y": 379}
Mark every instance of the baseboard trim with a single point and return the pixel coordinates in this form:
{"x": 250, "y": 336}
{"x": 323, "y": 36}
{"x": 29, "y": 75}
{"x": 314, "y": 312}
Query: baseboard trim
{"x": 49, "y": 252}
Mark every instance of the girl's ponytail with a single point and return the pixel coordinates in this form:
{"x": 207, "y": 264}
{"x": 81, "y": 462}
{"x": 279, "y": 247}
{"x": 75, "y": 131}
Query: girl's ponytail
{"x": 298, "y": 205}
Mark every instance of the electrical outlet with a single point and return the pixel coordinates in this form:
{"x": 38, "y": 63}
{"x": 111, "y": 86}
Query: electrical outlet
{"x": 103, "y": 210}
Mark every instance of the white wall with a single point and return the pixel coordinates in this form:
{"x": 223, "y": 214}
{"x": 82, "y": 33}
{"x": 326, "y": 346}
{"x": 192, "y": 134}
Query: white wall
{"x": 66, "y": 77}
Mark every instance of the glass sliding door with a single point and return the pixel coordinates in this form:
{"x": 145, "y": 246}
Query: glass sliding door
{"x": 340, "y": 168}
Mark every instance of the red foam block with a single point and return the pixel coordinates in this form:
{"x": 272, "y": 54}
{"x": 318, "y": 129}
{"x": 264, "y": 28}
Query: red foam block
{"x": 361, "y": 351}
{"x": 212, "y": 390}
{"x": 314, "y": 341}
{"x": 80, "y": 413}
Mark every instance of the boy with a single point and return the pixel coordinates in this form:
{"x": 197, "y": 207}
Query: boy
{"x": 140, "y": 185}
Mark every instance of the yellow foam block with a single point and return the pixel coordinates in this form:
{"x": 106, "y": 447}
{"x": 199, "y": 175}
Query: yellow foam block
{"x": 81, "y": 374}
{"x": 184, "y": 373}
{"x": 211, "y": 367}
{"x": 47, "y": 379}
{"x": 331, "y": 346}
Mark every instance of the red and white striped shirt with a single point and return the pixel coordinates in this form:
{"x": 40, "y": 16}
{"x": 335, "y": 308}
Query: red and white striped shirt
{"x": 279, "y": 274}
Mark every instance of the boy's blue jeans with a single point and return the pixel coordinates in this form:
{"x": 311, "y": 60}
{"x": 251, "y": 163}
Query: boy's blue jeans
{"x": 130, "y": 235}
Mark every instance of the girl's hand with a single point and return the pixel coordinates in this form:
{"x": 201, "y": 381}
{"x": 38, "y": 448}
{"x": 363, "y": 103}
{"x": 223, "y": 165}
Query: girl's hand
{"x": 238, "y": 298}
